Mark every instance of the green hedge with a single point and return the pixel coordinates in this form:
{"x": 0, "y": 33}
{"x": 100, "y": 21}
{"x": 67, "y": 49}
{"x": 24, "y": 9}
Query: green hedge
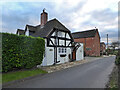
{"x": 21, "y": 51}
{"x": 117, "y": 61}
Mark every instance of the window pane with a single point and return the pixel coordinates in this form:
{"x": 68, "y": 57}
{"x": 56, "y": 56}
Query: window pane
{"x": 59, "y": 50}
{"x": 62, "y": 50}
{"x": 65, "y": 50}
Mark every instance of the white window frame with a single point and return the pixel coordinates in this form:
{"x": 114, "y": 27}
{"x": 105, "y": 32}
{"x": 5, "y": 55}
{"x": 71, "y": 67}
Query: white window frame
{"x": 62, "y": 50}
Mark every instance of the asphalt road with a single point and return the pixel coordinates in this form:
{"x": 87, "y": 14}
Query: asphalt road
{"x": 89, "y": 75}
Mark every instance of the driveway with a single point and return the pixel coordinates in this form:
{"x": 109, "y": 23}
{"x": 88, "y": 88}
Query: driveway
{"x": 89, "y": 75}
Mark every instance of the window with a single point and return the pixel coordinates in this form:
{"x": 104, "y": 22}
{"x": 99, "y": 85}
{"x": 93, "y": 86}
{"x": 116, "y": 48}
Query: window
{"x": 65, "y": 50}
{"x": 59, "y": 50}
{"x": 31, "y": 32}
{"x": 88, "y": 49}
{"x": 62, "y": 50}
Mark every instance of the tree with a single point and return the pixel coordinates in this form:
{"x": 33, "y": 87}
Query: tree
{"x": 115, "y": 44}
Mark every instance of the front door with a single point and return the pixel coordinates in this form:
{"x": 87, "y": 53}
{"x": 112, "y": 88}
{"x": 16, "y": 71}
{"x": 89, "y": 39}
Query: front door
{"x": 74, "y": 55}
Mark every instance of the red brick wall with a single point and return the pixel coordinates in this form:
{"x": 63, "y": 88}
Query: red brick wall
{"x": 92, "y": 45}
{"x": 97, "y": 45}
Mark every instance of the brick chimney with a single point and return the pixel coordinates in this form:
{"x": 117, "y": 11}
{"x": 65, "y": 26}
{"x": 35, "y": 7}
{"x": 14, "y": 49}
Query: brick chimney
{"x": 44, "y": 17}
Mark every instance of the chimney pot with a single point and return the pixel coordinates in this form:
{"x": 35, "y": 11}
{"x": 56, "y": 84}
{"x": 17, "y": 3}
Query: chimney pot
{"x": 44, "y": 17}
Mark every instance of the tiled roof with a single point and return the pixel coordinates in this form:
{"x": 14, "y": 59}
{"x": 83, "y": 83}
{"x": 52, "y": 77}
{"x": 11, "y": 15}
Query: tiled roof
{"x": 43, "y": 31}
{"x": 85, "y": 34}
{"x": 48, "y": 27}
{"x": 21, "y": 32}
{"x": 101, "y": 43}
{"x": 31, "y": 28}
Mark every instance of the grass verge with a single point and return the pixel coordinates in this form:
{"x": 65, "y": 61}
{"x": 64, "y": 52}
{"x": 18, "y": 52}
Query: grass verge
{"x": 113, "y": 82}
{"x": 113, "y": 79}
{"x": 11, "y": 76}
{"x": 0, "y": 78}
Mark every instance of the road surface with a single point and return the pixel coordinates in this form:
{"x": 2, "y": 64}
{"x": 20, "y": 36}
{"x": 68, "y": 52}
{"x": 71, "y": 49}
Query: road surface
{"x": 89, "y": 75}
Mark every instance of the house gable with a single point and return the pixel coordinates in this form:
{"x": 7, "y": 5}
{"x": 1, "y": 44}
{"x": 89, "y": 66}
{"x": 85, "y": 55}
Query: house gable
{"x": 59, "y": 38}
{"x": 20, "y": 32}
{"x": 97, "y": 33}
{"x": 47, "y": 29}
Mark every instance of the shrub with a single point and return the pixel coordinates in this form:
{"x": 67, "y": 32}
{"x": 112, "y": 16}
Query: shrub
{"x": 21, "y": 51}
{"x": 117, "y": 61}
{"x": 115, "y": 52}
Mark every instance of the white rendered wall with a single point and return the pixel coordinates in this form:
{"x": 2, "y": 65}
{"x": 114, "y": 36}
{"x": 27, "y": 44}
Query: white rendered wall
{"x": 63, "y": 59}
{"x": 68, "y": 51}
{"x": 27, "y": 32}
{"x": 44, "y": 62}
{"x": 49, "y": 56}
{"x": 80, "y": 53}
{"x": 49, "y": 51}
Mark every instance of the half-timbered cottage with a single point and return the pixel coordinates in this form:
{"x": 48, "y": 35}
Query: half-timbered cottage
{"x": 59, "y": 43}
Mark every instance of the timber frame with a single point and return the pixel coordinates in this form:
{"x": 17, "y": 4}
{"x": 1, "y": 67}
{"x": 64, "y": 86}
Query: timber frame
{"x": 57, "y": 39}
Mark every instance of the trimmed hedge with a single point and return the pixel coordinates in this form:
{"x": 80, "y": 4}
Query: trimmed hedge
{"x": 21, "y": 52}
{"x": 117, "y": 61}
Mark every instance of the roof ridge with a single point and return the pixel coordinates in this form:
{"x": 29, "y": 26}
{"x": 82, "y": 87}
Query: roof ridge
{"x": 51, "y": 20}
{"x": 30, "y": 25}
{"x": 20, "y": 29}
{"x": 85, "y": 34}
{"x": 84, "y": 31}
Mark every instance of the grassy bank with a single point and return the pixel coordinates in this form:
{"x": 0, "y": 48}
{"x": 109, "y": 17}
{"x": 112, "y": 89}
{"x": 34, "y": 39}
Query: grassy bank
{"x": 113, "y": 79}
{"x": 11, "y": 76}
{"x": 0, "y": 78}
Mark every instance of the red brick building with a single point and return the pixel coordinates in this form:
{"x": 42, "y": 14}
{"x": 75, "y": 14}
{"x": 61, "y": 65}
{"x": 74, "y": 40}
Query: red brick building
{"x": 102, "y": 48}
{"x": 91, "y": 41}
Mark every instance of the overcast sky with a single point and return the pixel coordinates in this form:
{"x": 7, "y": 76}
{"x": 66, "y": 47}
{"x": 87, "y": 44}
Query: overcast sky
{"x": 76, "y": 15}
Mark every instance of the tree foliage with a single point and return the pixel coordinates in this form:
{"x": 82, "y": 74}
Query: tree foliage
{"x": 117, "y": 61}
